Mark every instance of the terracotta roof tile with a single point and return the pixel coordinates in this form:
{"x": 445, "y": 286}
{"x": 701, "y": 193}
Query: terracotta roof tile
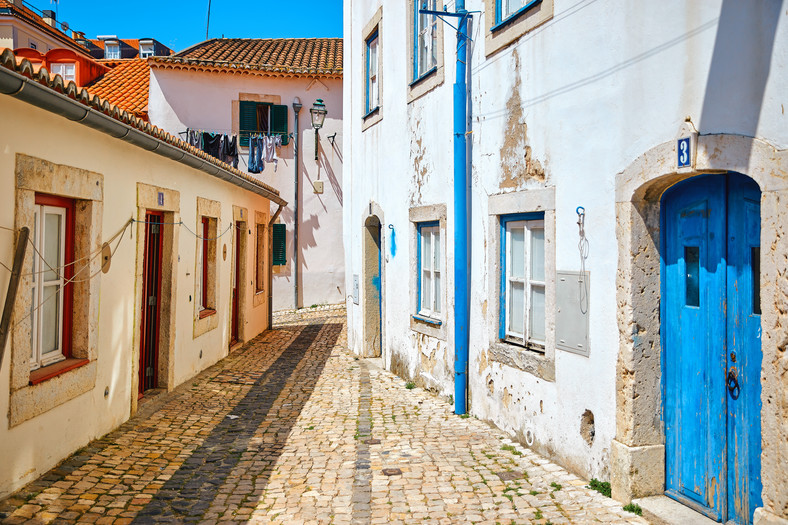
{"x": 89, "y": 99}
{"x": 126, "y": 86}
{"x": 277, "y": 56}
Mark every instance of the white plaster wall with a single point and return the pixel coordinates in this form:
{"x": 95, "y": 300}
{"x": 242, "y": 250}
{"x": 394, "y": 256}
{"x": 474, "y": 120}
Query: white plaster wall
{"x": 31, "y": 448}
{"x": 600, "y": 83}
{"x": 197, "y": 100}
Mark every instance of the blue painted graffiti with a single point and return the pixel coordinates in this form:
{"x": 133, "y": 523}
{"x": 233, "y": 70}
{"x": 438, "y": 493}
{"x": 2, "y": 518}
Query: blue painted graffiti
{"x": 393, "y": 241}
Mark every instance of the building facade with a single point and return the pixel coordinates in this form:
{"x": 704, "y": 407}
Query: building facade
{"x": 627, "y": 297}
{"x": 247, "y": 87}
{"x": 138, "y": 261}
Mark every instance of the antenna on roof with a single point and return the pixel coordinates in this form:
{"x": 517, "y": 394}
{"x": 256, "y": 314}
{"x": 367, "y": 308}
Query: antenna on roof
{"x": 208, "y": 23}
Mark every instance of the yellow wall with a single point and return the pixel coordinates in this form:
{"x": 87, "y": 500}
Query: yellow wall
{"x": 29, "y": 449}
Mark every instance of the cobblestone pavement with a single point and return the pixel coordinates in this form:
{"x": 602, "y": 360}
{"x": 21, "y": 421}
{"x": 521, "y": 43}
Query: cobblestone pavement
{"x": 293, "y": 429}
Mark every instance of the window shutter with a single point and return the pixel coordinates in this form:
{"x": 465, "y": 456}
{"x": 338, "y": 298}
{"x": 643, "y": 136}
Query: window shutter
{"x": 247, "y": 121}
{"x": 280, "y": 241}
{"x": 279, "y": 122}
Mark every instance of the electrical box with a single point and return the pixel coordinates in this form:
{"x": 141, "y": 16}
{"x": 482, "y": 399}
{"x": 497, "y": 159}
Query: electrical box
{"x": 355, "y": 289}
{"x": 572, "y": 302}
{"x": 318, "y": 185}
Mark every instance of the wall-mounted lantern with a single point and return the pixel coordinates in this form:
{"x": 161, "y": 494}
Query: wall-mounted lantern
{"x": 319, "y": 112}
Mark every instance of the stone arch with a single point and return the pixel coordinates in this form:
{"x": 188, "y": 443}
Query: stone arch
{"x": 638, "y": 453}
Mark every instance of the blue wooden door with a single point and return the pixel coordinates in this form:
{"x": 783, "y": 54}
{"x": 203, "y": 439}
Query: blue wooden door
{"x": 711, "y": 345}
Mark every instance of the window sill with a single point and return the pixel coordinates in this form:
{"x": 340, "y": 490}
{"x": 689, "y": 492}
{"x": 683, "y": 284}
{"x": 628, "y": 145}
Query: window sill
{"x": 207, "y": 312}
{"x": 427, "y": 320}
{"x": 514, "y": 16}
{"x": 423, "y": 77}
{"x": 371, "y": 112}
{"x": 48, "y": 372}
{"x": 534, "y": 362}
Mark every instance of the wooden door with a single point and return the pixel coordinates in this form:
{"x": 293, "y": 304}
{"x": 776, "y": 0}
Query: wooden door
{"x": 151, "y": 301}
{"x": 711, "y": 345}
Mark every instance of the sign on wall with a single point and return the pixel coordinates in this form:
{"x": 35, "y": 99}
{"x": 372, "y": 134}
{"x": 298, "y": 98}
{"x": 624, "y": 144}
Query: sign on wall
{"x": 684, "y": 149}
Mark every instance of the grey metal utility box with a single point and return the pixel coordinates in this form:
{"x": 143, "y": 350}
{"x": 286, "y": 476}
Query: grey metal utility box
{"x": 572, "y": 302}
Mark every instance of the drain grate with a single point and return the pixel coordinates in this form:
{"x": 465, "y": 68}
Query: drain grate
{"x": 510, "y": 475}
{"x": 392, "y": 472}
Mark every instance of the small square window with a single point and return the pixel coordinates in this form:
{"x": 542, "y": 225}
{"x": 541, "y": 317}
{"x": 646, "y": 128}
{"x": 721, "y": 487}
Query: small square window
{"x": 33, "y": 45}
{"x": 430, "y": 264}
{"x": 112, "y": 51}
{"x": 523, "y": 280}
{"x": 262, "y": 118}
{"x": 372, "y": 85}
{"x": 67, "y": 70}
{"x": 425, "y": 39}
{"x": 146, "y": 50}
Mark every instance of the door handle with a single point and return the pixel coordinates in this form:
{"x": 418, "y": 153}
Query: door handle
{"x": 732, "y": 382}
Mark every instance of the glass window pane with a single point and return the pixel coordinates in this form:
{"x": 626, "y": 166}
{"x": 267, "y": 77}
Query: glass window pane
{"x": 516, "y": 308}
{"x": 692, "y": 263}
{"x": 437, "y": 276}
{"x": 511, "y": 6}
{"x": 426, "y": 249}
{"x": 537, "y": 254}
{"x": 50, "y": 320}
{"x": 36, "y": 243}
{"x": 52, "y": 240}
{"x": 426, "y": 288}
{"x": 517, "y": 253}
{"x": 436, "y": 240}
{"x": 537, "y": 314}
{"x": 33, "y": 324}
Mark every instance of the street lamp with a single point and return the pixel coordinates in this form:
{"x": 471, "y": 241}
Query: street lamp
{"x": 319, "y": 112}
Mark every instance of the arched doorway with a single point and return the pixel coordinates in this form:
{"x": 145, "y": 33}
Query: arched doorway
{"x": 711, "y": 341}
{"x": 372, "y": 288}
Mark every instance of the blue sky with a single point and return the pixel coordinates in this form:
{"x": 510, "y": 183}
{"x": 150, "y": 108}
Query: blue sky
{"x": 181, "y": 23}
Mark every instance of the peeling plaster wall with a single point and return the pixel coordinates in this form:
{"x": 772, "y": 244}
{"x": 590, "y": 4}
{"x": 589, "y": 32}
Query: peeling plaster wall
{"x": 568, "y": 106}
{"x": 30, "y": 447}
{"x": 198, "y": 100}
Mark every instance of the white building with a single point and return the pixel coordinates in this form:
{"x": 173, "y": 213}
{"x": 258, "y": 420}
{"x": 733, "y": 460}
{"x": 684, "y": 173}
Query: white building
{"x": 217, "y": 84}
{"x": 614, "y": 325}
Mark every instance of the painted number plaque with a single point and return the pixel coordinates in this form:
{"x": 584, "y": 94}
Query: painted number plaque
{"x": 684, "y": 153}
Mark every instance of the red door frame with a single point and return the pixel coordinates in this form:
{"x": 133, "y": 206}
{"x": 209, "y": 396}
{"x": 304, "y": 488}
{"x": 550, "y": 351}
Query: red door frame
{"x": 144, "y": 328}
{"x": 235, "y": 335}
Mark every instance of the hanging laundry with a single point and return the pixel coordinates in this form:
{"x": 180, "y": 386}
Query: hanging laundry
{"x": 230, "y": 151}
{"x": 269, "y": 153}
{"x": 212, "y": 143}
{"x": 194, "y": 138}
{"x": 255, "y": 154}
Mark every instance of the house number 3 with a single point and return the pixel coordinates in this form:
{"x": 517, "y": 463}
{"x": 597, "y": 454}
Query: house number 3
{"x": 684, "y": 152}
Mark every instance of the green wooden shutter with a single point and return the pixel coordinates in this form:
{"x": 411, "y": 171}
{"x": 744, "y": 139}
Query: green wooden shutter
{"x": 247, "y": 121}
{"x": 280, "y": 241}
{"x": 279, "y": 122}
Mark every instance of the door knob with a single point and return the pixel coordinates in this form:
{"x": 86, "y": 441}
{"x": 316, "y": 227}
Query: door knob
{"x": 733, "y": 382}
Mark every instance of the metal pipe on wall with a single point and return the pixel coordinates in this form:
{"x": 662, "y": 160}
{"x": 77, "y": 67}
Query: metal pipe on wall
{"x": 461, "y": 230}
{"x": 296, "y": 148}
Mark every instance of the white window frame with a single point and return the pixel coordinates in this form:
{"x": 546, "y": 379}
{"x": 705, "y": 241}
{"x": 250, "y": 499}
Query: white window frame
{"x": 112, "y": 51}
{"x": 426, "y": 39}
{"x": 147, "y": 50}
{"x": 67, "y": 70}
{"x": 431, "y": 264}
{"x": 373, "y": 87}
{"x": 40, "y": 270}
{"x": 527, "y": 280}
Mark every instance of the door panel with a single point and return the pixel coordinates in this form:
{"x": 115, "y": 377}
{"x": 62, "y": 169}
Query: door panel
{"x": 694, "y": 357}
{"x": 151, "y": 301}
{"x": 711, "y": 345}
{"x": 744, "y": 348}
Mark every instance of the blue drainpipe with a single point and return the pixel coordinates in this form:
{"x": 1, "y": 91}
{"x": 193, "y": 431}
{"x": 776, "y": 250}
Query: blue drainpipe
{"x": 461, "y": 230}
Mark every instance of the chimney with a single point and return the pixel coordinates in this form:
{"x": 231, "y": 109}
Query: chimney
{"x": 78, "y": 35}
{"x": 49, "y": 18}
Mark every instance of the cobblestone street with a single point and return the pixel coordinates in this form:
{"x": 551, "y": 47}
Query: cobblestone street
{"x": 291, "y": 428}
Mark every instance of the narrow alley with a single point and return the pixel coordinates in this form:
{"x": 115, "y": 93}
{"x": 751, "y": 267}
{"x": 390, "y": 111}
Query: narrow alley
{"x": 291, "y": 428}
